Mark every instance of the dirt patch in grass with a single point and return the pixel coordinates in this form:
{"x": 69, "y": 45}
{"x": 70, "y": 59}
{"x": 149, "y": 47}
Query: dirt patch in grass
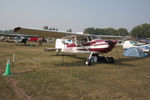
{"x": 6, "y": 92}
{"x": 20, "y": 92}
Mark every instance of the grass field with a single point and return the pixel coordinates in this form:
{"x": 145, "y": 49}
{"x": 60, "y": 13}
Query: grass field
{"x": 40, "y": 75}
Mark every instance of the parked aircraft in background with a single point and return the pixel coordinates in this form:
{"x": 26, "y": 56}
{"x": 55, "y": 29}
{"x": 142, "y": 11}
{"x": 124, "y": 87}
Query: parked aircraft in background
{"x": 20, "y": 38}
{"x": 129, "y": 44}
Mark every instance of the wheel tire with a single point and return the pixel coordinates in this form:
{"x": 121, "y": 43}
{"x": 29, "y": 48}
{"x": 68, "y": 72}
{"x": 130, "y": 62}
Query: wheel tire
{"x": 88, "y": 62}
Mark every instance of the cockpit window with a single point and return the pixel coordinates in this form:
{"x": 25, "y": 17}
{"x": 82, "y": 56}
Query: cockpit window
{"x": 133, "y": 42}
{"x": 95, "y": 37}
{"x": 84, "y": 40}
{"x": 89, "y": 38}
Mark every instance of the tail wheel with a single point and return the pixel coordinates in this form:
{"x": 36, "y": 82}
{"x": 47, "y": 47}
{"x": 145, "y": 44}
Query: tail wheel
{"x": 88, "y": 62}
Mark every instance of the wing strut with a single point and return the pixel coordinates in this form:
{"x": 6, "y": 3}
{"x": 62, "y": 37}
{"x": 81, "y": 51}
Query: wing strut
{"x": 63, "y": 54}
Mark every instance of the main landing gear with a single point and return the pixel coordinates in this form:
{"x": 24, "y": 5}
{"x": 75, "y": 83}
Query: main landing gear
{"x": 94, "y": 57}
{"x": 88, "y": 62}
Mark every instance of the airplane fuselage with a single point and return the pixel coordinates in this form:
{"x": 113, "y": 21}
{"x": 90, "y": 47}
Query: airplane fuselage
{"x": 96, "y": 46}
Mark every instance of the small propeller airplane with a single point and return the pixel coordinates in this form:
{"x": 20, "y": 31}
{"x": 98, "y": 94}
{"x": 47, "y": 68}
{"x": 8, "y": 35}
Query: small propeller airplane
{"x": 73, "y": 42}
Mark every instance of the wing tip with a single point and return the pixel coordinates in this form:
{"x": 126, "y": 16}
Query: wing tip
{"x": 17, "y": 29}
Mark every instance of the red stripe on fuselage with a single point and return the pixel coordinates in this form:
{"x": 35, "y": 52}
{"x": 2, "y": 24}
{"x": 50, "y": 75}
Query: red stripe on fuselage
{"x": 95, "y": 43}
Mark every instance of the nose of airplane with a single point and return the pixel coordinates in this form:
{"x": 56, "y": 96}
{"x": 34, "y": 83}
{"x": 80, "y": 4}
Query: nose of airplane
{"x": 111, "y": 42}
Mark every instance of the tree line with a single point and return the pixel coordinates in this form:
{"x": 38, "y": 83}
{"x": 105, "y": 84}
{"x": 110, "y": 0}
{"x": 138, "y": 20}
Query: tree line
{"x": 140, "y": 31}
{"x": 106, "y": 31}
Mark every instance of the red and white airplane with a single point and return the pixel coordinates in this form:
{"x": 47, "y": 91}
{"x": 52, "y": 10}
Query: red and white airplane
{"x": 73, "y": 42}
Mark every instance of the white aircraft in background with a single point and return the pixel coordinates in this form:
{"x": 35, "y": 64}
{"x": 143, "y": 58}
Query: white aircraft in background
{"x": 129, "y": 44}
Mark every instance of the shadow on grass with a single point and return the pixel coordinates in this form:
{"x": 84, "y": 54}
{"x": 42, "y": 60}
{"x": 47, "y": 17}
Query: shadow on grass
{"x": 130, "y": 59}
{"x": 70, "y": 64}
{"x": 70, "y": 55}
{"x": 28, "y": 45}
{"x": 21, "y": 72}
{"x": 126, "y": 61}
{"x": 124, "y": 64}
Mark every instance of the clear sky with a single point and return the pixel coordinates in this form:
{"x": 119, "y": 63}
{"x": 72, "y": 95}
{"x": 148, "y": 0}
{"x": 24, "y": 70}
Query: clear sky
{"x": 74, "y": 14}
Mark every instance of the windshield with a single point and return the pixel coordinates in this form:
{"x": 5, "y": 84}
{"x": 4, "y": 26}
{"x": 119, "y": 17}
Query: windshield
{"x": 95, "y": 37}
{"x": 133, "y": 42}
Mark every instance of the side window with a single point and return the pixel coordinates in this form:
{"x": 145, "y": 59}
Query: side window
{"x": 84, "y": 40}
{"x": 89, "y": 38}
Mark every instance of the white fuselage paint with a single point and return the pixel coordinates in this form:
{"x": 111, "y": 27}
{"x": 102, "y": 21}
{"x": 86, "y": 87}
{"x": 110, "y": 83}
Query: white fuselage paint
{"x": 79, "y": 49}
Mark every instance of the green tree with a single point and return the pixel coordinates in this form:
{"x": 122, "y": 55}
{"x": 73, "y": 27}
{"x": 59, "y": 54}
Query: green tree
{"x": 111, "y": 31}
{"x": 69, "y": 30}
{"x": 123, "y": 32}
{"x": 45, "y": 27}
{"x": 100, "y": 31}
{"x": 53, "y": 29}
{"x": 141, "y": 31}
{"x": 90, "y": 30}
{"x": 50, "y": 28}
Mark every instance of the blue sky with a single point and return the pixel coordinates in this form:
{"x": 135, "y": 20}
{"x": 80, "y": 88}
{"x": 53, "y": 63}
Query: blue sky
{"x": 74, "y": 14}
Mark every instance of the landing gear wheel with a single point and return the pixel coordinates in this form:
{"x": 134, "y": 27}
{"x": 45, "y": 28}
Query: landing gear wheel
{"x": 88, "y": 62}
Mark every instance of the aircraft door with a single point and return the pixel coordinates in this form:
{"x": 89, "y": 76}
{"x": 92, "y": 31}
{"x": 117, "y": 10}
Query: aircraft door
{"x": 59, "y": 44}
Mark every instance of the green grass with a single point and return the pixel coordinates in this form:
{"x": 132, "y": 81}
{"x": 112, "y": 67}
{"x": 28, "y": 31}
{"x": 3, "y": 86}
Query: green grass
{"x": 42, "y": 76}
{"x": 6, "y": 92}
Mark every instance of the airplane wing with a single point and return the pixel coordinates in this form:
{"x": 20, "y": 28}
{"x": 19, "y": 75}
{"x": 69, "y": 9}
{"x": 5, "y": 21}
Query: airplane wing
{"x": 18, "y": 35}
{"x": 107, "y": 36}
{"x": 9, "y": 35}
{"x": 111, "y": 36}
{"x": 47, "y": 33}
